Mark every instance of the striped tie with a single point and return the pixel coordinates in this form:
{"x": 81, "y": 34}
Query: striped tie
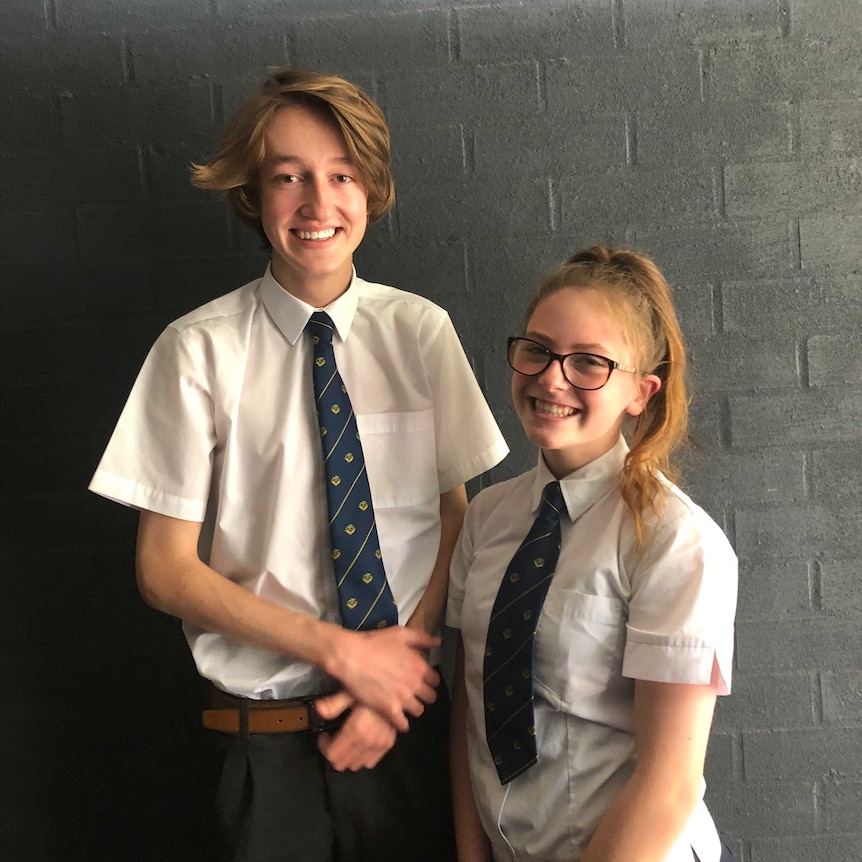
{"x": 508, "y": 669}
{"x": 363, "y": 592}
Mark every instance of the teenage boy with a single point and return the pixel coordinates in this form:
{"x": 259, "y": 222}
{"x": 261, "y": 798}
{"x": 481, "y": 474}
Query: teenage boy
{"x": 224, "y": 446}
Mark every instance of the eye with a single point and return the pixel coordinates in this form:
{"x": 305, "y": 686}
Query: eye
{"x": 343, "y": 178}
{"x": 286, "y": 179}
{"x": 586, "y": 362}
{"x": 534, "y": 351}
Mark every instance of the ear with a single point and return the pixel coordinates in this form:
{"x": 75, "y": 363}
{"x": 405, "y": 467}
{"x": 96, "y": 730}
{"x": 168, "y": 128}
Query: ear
{"x": 646, "y": 387}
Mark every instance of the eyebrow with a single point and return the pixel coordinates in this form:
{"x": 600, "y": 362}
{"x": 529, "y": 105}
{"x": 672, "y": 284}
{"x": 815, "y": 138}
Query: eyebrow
{"x": 582, "y": 348}
{"x": 279, "y": 159}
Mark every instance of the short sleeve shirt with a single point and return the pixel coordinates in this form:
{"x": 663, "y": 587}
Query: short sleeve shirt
{"x": 613, "y": 614}
{"x": 221, "y": 428}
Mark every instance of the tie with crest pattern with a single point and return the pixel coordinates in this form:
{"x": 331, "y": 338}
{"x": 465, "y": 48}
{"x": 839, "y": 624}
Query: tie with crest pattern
{"x": 364, "y": 596}
{"x": 508, "y": 667}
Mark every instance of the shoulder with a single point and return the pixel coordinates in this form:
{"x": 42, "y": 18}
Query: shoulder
{"x": 392, "y": 306}
{"x": 222, "y": 312}
{"x": 683, "y": 523}
{"x": 500, "y": 500}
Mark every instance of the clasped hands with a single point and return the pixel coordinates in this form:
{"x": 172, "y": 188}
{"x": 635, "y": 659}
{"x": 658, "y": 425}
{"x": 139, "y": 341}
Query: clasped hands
{"x": 386, "y": 679}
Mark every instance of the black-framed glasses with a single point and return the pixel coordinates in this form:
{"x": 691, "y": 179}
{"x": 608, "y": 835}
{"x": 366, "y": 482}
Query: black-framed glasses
{"x": 582, "y": 370}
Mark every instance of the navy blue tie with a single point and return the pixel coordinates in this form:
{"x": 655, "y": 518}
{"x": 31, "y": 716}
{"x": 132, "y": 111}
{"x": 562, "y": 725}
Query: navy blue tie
{"x": 508, "y": 668}
{"x": 364, "y": 596}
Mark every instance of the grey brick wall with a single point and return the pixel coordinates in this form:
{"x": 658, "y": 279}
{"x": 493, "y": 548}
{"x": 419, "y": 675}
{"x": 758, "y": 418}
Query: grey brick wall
{"x": 724, "y": 138}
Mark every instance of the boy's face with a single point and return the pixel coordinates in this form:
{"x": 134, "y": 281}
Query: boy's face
{"x": 314, "y": 206}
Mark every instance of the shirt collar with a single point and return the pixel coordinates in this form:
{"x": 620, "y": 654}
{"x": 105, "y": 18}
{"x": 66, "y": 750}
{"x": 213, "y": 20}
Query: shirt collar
{"x": 291, "y": 314}
{"x": 584, "y": 487}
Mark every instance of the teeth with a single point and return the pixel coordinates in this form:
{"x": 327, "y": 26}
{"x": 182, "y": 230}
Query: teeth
{"x": 554, "y": 409}
{"x": 316, "y": 234}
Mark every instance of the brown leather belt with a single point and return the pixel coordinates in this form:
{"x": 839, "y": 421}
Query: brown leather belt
{"x": 229, "y": 713}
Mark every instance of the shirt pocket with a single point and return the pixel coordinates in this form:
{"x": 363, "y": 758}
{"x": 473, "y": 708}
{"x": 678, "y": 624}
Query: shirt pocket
{"x": 400, "y": 456}
{"x": 580, "y": 644}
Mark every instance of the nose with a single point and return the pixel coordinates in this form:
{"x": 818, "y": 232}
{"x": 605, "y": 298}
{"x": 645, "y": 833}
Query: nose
{"x": 317, "y": 203}
{"x": 553, "y": 376}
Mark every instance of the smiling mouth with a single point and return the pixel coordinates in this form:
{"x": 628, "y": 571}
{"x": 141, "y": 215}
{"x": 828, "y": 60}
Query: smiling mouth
{"x": 553, "y": 409}
{"x": 315, "y": 235}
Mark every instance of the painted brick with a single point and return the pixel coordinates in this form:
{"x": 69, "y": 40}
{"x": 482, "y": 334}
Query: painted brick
{"x": 428, "y": 153}
{"x": 834, "y": 473}
{"x": 773, "y": 590}
{"x": 558, "y": 141}
{"x": 22, "y": 18}
{"x": 456, "y": 210}
{"x": 541, "y": 29}
{"x": 658, "y": 23}
{"x": 460, "y": 93}
{"x": 85, "y": 61}
{"x": 840, "y": 802}
{"x": 694, "y": 308}
{"x": 762, "y": 807}
{"x": 44, "y": 467}
{"x": 713, "y": 133}
{"x": 435, "y": 271}
{"x": 827, "y": 415}
{"x": 62, "y": 179}
{"x": 98, "y": 15}
{"x": 706, "y": 423}
{"x": 29, "y": 123}
{"x": 70, "y": 520}
{"x": 842, "y": 696}
{"x": 831, "y": 242}
{"x": 764, "y": 700}
{"x": 517, "y": 268}
{"x": 747, "y": 477}
{"x": 720, "y": 758}
{"x": 797, "y": 187}
{"x": 741, "y": 249}
{"x": 36, "y": 236}
{"x": 801, "y": 754}
{"x": 635, "y": 194}
{"x": 167, "y": 172}
{"x": 824, "y": 18}
{"x": 793, "y": 306}
{"x": 840, "y": 592}
{"x": 799, "y": 531}
{"x": 109, "y": 234}
{"x": 76, "y": 350}
{"x": 211, "y": 50}
{"x": 180, "y": 285}
{"x": 806, "y": 849}
{"x": 162, "y": 113}
{"x": 831, "y": 127}
{"x": 788, "y": 69}
{"x": 831, "y": 360}
{"x": 45, "y": 292}
{"x": 733, "y": 360}
{"x": 346, "y": 42}
{"x": 631, "y": 79}
{"x": 798, "y": 645}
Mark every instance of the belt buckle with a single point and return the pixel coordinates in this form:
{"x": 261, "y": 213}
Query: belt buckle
{"x": 318, "y": 724}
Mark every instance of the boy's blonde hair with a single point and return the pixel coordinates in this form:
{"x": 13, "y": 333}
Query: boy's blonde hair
{"x": 236, "y": 167}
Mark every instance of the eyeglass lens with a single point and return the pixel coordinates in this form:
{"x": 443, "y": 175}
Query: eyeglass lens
{"x": 581, "y": 369}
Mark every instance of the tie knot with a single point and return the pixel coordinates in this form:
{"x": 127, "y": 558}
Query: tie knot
{"x": 552, "y": 501}
{"x": 319, "y": 321}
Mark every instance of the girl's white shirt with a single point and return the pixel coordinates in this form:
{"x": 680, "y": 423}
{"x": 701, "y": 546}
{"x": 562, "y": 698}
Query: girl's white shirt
{"x": 614, "y": 613}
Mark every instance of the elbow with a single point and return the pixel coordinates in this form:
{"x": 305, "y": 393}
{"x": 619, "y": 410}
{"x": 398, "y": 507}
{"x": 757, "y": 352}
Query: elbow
{"x": 152, "y": 585}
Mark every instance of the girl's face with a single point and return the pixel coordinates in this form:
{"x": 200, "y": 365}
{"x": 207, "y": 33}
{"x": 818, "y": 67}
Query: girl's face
{"x": 573, "y": 426}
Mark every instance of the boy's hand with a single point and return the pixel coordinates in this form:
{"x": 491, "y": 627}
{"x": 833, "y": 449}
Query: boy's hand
{"x": 361, "y": 742}
{"x": 385, "y": 670}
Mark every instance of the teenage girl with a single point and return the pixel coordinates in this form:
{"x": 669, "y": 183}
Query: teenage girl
{"x": 583, "y": 738}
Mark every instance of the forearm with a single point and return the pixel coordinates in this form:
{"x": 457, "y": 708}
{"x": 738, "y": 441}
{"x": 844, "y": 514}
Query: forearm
{"x": 383, "y": 669}
{"x": 644, "y": 821}
{"x": 172, "y": 579}
{"x": 426, "y": 616}
{"x": 472, "y": 842}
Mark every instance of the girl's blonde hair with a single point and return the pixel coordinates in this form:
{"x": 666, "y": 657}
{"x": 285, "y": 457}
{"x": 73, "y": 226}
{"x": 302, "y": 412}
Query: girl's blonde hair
{"x": 640, "y": 296}
{"x": 235, "y": 169}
